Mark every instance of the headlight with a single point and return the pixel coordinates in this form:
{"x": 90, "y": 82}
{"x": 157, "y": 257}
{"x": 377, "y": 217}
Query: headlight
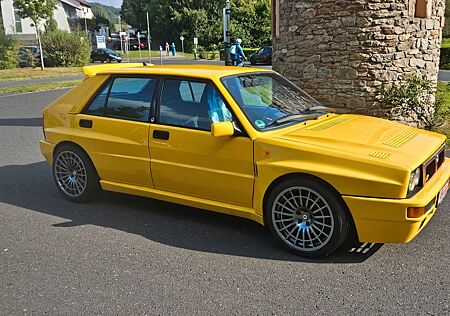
{"x": 414, "y": 180}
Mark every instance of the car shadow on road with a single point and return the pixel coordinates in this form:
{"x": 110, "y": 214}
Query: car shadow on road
{"x": 31, "y": 187}
{"x": 35, "y": 121}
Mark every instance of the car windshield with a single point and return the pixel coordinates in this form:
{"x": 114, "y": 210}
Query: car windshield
{"x": 270, "y": 100}
{"x": 110, "y": 51}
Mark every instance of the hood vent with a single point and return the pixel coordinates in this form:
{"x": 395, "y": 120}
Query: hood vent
{"x": 379, "y": 154}
{"x": 402, "y": 138}
{"x": 330, "y": 123}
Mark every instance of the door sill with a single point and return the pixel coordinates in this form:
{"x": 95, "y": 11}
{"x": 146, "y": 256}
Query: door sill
{"x": 214, "y": 206}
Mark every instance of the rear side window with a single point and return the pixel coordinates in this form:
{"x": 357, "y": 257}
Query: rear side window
{"x": 97, "y": 106}
{"x": 128, "y": 98}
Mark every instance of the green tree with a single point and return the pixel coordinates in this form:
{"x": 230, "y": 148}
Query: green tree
{"x": 169, "y": 19}
{"x": 446, "y": 30}
{"x": 37, "y": 11}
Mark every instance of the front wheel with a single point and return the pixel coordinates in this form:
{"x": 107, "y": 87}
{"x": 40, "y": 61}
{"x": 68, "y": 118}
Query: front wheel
{"x": 306, "y": 216}
{"x": 74, "y": 174}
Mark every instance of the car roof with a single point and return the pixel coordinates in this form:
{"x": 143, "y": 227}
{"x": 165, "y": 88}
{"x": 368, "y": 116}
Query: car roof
{"x": 197, "y": 71}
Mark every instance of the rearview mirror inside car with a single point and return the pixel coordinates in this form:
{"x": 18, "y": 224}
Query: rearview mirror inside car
{"x": 222, "y": 129}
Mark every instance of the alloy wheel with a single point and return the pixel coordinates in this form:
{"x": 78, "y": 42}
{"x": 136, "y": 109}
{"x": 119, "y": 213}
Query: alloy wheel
{"x": 70, "y": 173}
{"x": 302, "y": 218}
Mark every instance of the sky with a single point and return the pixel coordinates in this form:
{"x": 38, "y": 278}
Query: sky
{"x": 114, "y": 3}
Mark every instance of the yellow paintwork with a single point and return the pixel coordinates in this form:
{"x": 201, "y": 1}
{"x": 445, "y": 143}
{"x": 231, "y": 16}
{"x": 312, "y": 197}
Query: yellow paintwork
{"x": 222, "y": 129}
{"x": 367, "y": 160}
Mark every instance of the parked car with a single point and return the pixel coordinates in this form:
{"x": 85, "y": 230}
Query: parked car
{"x": 134, "y": 43}
{"x": 262, "y": 56}
{"x": 105, "y": 55}
{"x": 30, "y": 56}
{"x": 248, "y": 143}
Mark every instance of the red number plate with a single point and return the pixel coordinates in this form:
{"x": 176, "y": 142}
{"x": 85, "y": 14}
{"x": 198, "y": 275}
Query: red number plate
{"x": 442, "y": 194}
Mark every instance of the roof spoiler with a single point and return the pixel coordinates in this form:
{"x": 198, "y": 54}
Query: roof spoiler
{"x": 91, "y": 71}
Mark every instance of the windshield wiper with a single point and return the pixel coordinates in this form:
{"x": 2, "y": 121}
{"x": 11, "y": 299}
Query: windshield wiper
{"x": 319, "y": 108}
{"x": 293, "y": 117}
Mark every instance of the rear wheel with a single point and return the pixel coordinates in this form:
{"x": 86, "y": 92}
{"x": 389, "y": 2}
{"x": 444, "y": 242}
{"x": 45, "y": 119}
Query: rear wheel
{"x": 74, "y": 174}
{"x": 306, "y": 216}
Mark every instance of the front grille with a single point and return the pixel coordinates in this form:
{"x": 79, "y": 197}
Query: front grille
{"x": 432, "y": 165}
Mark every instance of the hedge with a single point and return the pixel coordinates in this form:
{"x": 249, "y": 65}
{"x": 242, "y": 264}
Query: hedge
{"x": 65, "y": 49}
{"x": 8, "y": 53}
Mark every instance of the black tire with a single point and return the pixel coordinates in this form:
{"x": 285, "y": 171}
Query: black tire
{"x": 67, "y": 163}
{"x": 329, "y": 232}
{"x": 119, "y": 61}
{"x": 109, "y": 60}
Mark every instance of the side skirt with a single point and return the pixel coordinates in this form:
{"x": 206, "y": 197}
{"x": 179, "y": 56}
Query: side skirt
{"x": 209, "y": 205}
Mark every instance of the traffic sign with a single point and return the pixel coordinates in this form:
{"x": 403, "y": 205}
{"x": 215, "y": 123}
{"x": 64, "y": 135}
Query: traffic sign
{"x": 195, "y": 40}
{"x": 181, "y": 38}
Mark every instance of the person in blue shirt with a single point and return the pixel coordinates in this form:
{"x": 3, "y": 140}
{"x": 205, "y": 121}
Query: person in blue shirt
{"x": 237, "y": 54}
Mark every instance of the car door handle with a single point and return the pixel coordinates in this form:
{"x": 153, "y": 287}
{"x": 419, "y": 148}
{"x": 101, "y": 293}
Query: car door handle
{"x": 158, "y": 134}
{"x": 86, "y": 123}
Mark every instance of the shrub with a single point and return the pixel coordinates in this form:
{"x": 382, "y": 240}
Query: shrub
{"x": 417, "y": 98}
{"x": 65, "y": 49}
{"x": 442, "y": 105}
{"x": 9, "y": 57}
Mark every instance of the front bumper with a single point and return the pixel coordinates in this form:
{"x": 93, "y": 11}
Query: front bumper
{"x": 385, "y": 220}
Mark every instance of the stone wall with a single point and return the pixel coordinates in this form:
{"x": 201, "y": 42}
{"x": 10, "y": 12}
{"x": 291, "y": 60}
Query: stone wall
{"x": 342, "y": 51}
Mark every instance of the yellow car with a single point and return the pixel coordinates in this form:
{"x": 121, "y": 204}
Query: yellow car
{"x": 249, "y": 143}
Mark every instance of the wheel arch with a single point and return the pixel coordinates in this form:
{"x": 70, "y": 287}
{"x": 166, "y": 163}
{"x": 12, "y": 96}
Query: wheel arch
{"x": 70, "y": 143}
{"x": 296, "y": 175}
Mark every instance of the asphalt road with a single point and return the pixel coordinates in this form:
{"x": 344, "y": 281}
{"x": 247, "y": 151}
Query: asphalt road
{"x": 128, "y": 255}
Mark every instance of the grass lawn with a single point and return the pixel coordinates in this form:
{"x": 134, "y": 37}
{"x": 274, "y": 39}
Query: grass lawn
{"x": 445, "y": 43}
{"x": 40, "y": 87}
{"x": 33, "y": 73}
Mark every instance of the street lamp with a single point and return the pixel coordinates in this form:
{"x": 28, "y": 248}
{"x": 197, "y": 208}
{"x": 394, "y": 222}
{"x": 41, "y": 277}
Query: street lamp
{"x": 120, "y": 35}
{"x": 226, "y": 33}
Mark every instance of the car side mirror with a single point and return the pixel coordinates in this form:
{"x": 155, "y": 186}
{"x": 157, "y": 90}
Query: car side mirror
{"x": 222, "y": 129}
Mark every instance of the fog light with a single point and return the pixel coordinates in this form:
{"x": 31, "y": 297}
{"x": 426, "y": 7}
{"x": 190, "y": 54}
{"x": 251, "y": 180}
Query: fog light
{"x": 415, "y": 212}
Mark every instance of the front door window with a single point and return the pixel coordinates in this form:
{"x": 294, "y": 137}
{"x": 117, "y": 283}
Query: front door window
{"x": 191, "y": 104}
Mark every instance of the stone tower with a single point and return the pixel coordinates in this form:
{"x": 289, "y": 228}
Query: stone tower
{"x": 342, "y": 51}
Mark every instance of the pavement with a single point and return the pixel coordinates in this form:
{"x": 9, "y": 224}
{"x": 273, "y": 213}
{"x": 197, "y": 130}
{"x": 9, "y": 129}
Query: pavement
{"x": 444, "y": 75}
{"x": 127, "y": 255}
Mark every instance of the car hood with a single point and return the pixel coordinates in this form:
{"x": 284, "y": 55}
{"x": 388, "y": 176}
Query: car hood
{"x": 368, "y": 138}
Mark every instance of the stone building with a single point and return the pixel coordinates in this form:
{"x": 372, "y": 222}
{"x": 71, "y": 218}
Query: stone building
{"x": 342, "y": 51}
